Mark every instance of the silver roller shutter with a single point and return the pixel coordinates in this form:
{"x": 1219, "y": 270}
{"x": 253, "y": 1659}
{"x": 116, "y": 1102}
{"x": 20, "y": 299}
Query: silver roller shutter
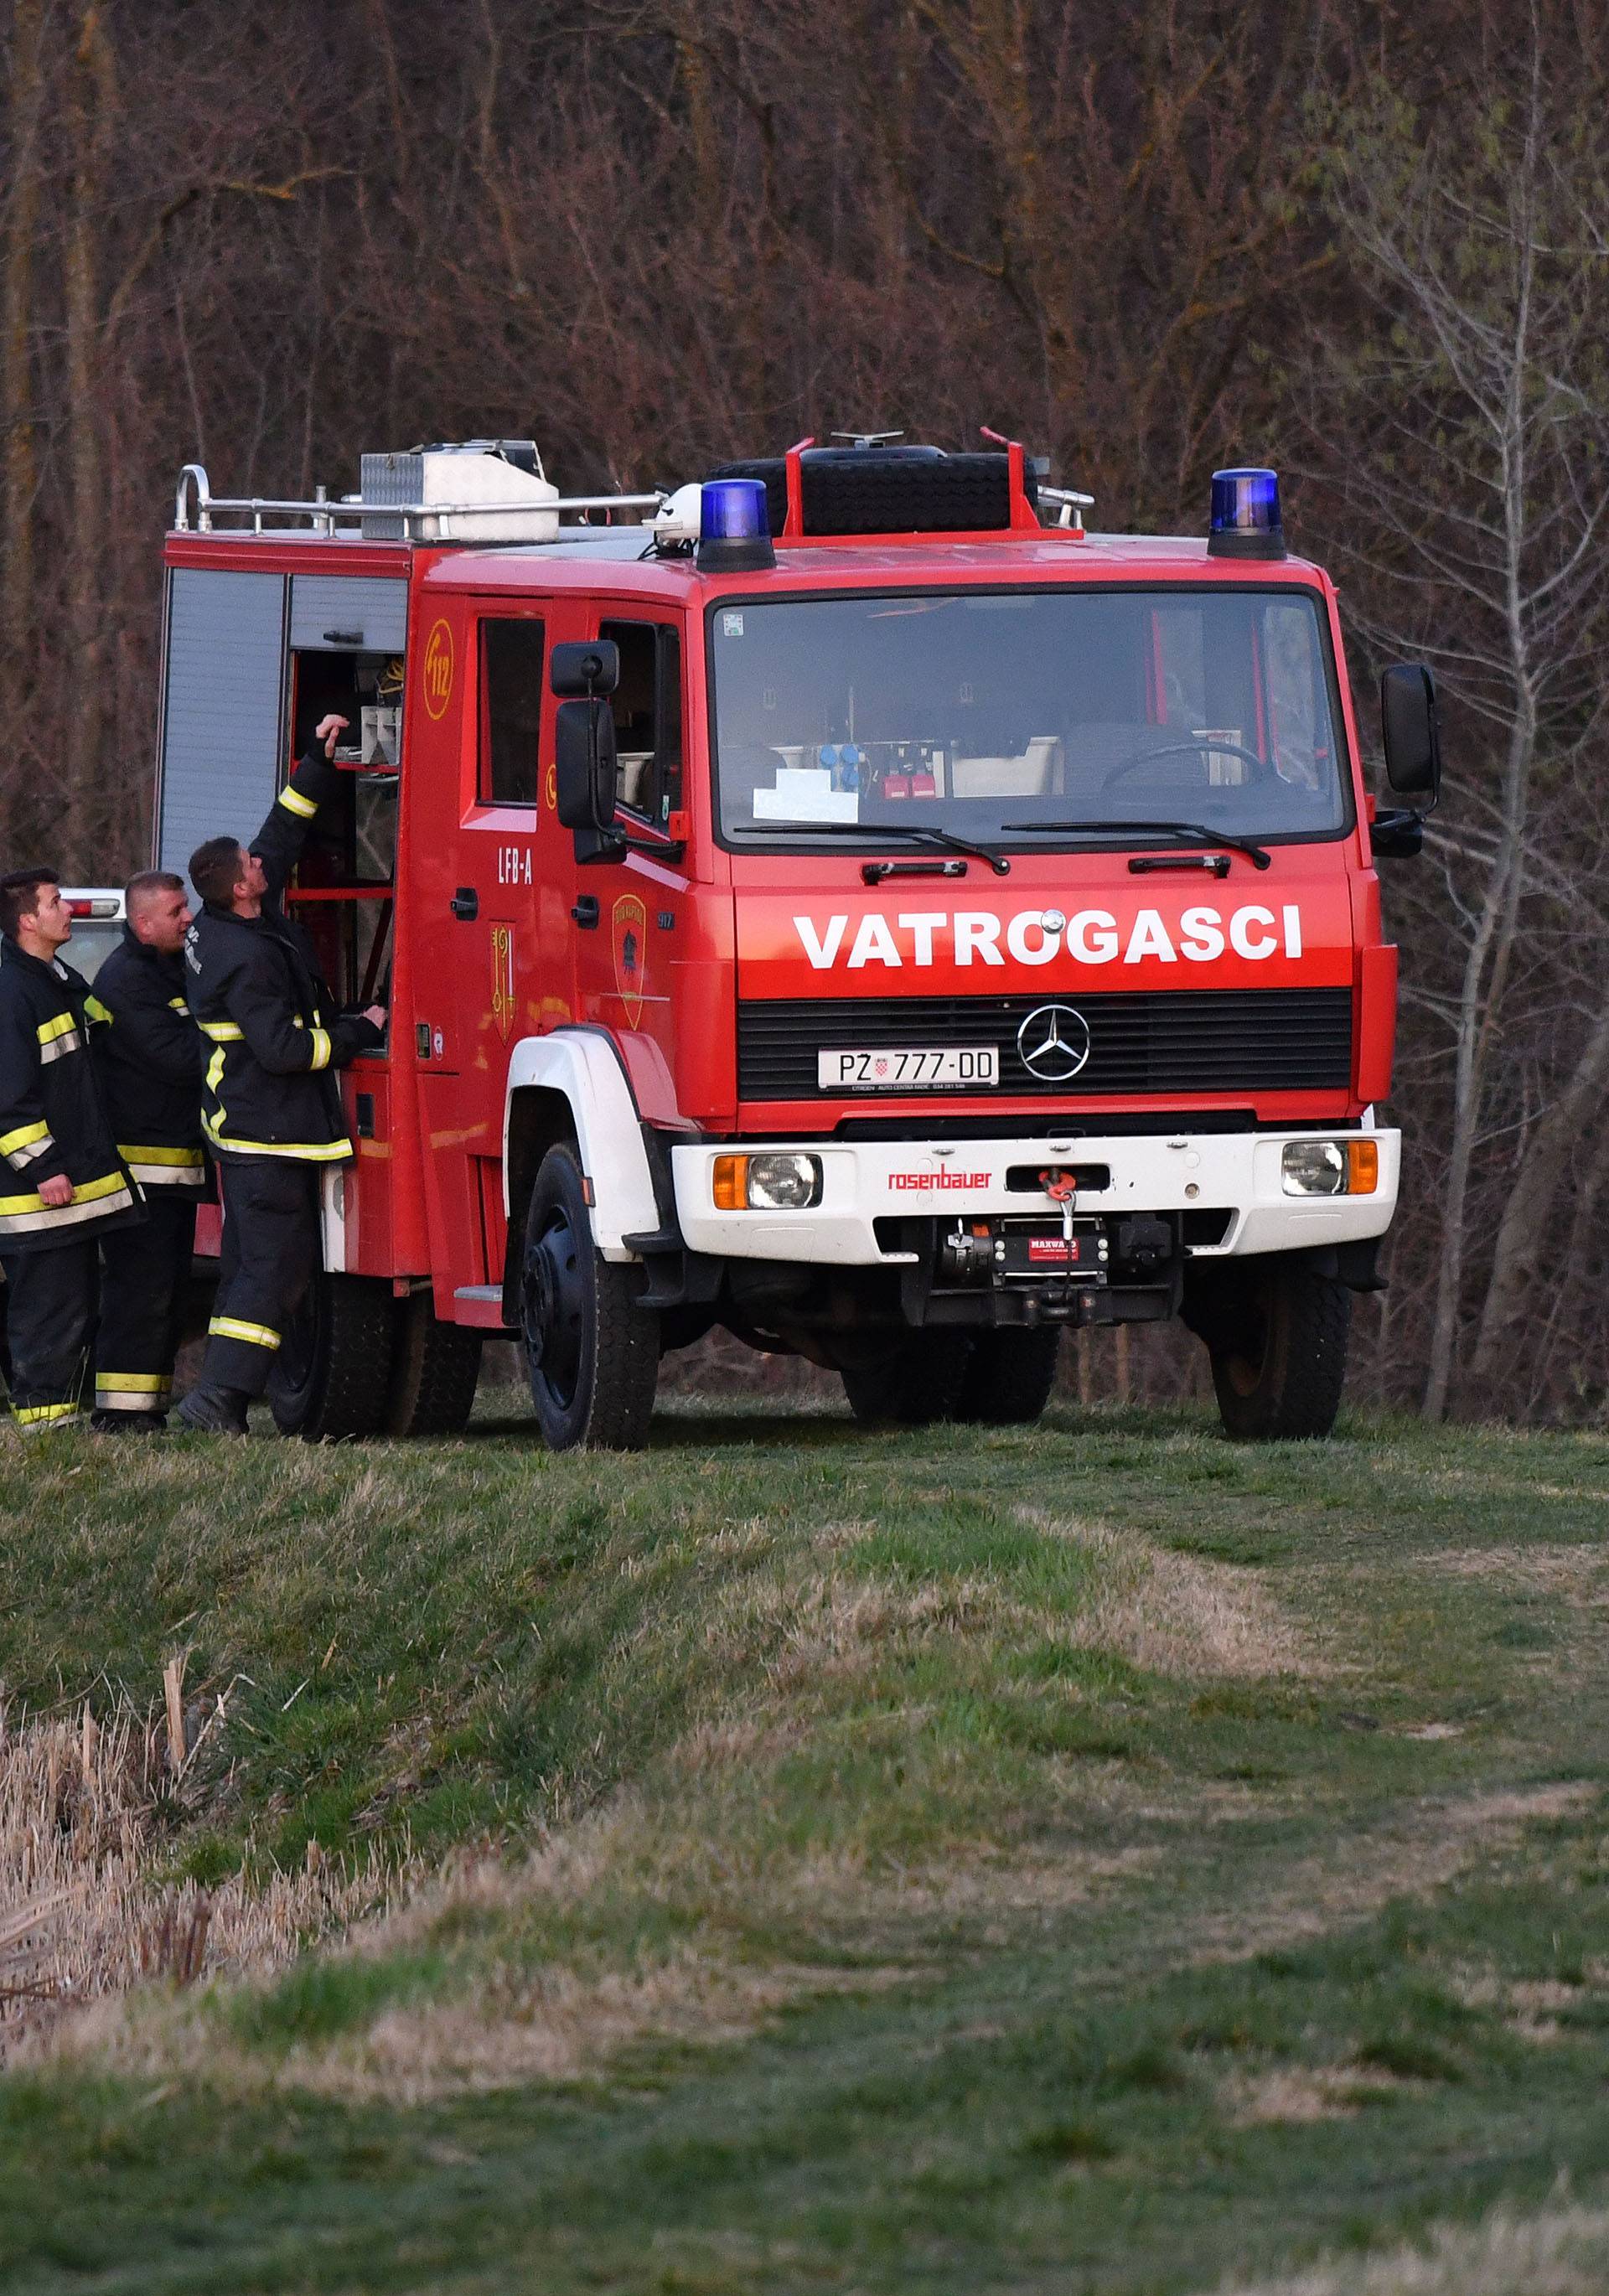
{"x": 348, "y": 613}
{"x": 224, "y": 712}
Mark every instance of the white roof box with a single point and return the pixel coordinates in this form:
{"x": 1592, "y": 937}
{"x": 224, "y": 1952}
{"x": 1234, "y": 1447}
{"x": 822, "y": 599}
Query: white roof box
{"x": 485, "y": 490}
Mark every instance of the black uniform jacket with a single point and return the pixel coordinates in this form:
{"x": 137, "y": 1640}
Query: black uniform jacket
{"x": 149, "y": 1055}
{"x": 53, "y": 1119}
{"x": 254, "y": 987}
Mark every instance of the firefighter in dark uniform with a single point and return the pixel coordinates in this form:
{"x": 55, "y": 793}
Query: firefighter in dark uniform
{"x": 270, "y": 1105}
{"x": 63, "y": 1187}
{"x": 149, "y": 1056}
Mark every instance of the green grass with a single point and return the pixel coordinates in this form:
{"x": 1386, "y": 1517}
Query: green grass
{"x": 953, "y": 1854}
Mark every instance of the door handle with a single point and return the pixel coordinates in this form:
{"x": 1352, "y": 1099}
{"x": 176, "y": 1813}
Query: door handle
{"x": 466, "y": 904}
{"x": 586, "y": 910}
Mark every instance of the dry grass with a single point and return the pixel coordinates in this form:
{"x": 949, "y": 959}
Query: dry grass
{"x": 86, "y": 1811}
{"x": 1564, "y": 2251}
{"x": 1295, "y": 2095}
{"x": 1172, "y": 1614}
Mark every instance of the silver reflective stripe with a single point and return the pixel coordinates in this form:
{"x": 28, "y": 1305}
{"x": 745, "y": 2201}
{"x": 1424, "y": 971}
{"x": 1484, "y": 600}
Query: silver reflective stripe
{"x": 167, "y": 1176}
{"x": 60, "y": 1047}
{"x": 66, "y": 1214}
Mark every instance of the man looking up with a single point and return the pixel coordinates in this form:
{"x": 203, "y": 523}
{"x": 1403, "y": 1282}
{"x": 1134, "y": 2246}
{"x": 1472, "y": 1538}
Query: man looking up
{"x": 148, "y": 1057}
{"x": 270, "y": 1106}
{"x": 62, "y": 1185}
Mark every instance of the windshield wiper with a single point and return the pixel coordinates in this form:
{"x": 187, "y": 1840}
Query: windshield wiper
{"x": 1189, "y": 832}
{"x": 920, "y": 830}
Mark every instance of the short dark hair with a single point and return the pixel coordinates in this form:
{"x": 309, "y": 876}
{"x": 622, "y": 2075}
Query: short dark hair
{"x": 20, "y": 897}
{"x": 215, "y": 868}
{"x": 150, "y": 880}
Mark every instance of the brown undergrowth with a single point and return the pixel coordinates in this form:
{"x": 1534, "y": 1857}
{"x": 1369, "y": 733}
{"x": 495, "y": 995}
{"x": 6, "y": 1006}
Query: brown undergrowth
{"x": 87, "y": 1809}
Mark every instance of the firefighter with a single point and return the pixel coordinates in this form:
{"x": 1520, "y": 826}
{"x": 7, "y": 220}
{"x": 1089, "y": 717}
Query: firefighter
{"x": 149, "y": 1056}
{"x": 65, "y": 1189}
{"x": 270, "y": 1106}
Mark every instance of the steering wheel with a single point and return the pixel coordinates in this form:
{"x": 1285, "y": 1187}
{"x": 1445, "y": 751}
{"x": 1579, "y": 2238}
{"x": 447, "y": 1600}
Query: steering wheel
{"x": 1202, "y": 747}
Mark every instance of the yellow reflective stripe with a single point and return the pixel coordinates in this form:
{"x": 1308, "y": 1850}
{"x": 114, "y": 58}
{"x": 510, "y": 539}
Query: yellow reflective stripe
{"x": 83, "y": 1192}
{"x": 177, "y": 1005}
{"x": 160, "y": 1155}
{"x": 310, "y": 1151}
{"x": 35, "y": 1415}
{"x": 24, "y": 1136}
{"x": 63, "y": 1025}
{"x": 231, "y": 1327}
{"x": 215, "y": 1071}
{"x": 131, "y": 1382}
{"x": 96, "y": 1011}
{"x": 294, "y": 802}
{"x": 321, "y": 1049}
{"x": 222, "y": 1032}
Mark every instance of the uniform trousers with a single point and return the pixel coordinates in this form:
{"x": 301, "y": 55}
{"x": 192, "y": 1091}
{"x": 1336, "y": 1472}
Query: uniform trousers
{"x": 271, "y": 1249}
{"x": 146, "y": 1272}
{"x": 50, "y": 1318}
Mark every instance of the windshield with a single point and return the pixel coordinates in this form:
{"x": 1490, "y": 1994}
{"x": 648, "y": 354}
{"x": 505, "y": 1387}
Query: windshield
{"x": 986, "y": 714}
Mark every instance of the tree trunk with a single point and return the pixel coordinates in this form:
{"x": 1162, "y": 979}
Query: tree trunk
{"x": 16, "y": 360}
{"x": 88, "y": 112}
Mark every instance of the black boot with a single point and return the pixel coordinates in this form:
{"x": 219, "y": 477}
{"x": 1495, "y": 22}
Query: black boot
{"x": 129, "y": 1422}
{"x": 215, "y": 1410}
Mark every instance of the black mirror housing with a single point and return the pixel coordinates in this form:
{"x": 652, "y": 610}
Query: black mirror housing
{"x": 585, "y": 771}
{"x": 1411, "y": 730}
{"x": 583, "y": 667}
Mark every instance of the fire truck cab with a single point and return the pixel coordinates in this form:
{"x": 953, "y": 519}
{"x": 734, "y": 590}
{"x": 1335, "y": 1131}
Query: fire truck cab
{"x": 850, "y": 905}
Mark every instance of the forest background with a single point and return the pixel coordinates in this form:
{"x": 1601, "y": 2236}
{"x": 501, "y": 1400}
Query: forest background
{"x": 1368, "y": 244}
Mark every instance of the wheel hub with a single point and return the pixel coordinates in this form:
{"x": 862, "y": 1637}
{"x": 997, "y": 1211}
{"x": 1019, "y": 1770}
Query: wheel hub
{"x": 552, "y": 1304}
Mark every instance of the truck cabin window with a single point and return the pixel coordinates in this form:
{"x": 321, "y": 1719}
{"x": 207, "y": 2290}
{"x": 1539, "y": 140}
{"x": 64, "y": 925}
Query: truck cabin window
{"x": 985, "y": 713}
{"x": 648, "y": 706}
{"x": 511, "y": 710}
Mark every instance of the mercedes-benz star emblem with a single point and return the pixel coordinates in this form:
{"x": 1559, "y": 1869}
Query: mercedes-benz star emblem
{"x": 1053, "y": 1042}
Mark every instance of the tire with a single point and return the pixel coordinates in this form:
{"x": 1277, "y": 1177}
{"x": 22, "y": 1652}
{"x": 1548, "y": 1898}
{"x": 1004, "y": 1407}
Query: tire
{"x": 332, "y": 1373}
{"x": 917, "y": 1381}
{"x": 591, "y": 1350}
{"x": 1279, "y": 1359}
{"x": 1009, "y": 1376}
{"x": 435, "y": 1369}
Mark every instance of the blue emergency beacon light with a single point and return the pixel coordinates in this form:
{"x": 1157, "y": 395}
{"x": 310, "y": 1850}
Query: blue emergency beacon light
{"x": 1245, "y": 515}
{"x": 734, "y": 530}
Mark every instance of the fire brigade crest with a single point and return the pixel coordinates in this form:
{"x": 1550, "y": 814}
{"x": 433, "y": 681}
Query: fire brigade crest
{"x": 503, "y": 979}
{"x": 628, "y": 927}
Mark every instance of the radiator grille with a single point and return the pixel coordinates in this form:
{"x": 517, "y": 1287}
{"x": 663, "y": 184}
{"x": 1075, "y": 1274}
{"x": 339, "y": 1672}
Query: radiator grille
{"x": 1177, "y": 1041}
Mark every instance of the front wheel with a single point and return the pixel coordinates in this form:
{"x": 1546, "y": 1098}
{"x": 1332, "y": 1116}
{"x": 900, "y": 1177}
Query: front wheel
{"x": 331, "y": 1371}
{"x": 591, "y": 1349}
{"x": 1279, "y": 1355}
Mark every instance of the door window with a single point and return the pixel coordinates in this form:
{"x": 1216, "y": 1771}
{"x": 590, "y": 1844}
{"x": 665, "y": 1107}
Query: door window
{"x": 511, "y": 710}
{"x": 647, "y": 705}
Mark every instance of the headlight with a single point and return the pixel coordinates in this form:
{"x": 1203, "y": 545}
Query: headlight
{"x": 1330, "y": 1167}
{"x": 767, "y": 1184}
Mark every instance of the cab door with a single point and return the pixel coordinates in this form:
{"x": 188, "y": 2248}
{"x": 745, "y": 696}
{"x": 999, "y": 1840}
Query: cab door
{"x": 491, "y": 875}
{"x": 629, "y": 911}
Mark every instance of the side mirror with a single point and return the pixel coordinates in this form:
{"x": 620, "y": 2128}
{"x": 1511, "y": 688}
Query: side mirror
{"x": 586, "y": 771}
{"x": 1411, "y": 730}
{"x": 582, "y": 668}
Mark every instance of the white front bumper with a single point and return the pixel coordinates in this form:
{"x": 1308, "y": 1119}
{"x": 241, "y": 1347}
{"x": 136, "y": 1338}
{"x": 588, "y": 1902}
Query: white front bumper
{"x": 863, "y": 1181}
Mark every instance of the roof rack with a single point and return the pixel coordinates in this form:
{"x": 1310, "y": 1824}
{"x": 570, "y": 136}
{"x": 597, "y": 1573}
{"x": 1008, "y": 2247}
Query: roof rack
{"x": 323, "y": 514}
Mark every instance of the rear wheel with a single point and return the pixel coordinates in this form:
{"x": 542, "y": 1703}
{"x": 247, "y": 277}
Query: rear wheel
{"x": 331, "y": 1371}
{"x": 1280, "y": 1353}
{"x": 918, "y": 1379}
{"x": 435, "y": 1369}
{"x": 591, "y": 1349}
{"x": 1009, "y": 1376}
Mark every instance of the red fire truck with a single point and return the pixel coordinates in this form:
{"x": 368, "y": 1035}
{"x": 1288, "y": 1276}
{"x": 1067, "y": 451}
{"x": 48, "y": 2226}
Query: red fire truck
{"x": 841, "y": 901}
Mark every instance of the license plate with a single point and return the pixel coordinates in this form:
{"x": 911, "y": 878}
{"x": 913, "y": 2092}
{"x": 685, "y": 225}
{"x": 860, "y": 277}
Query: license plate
{"x": 909, "y": 1069}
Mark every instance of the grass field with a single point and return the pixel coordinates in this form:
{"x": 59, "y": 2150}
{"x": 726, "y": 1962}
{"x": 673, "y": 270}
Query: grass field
{"x": 1095, "y": 1857}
